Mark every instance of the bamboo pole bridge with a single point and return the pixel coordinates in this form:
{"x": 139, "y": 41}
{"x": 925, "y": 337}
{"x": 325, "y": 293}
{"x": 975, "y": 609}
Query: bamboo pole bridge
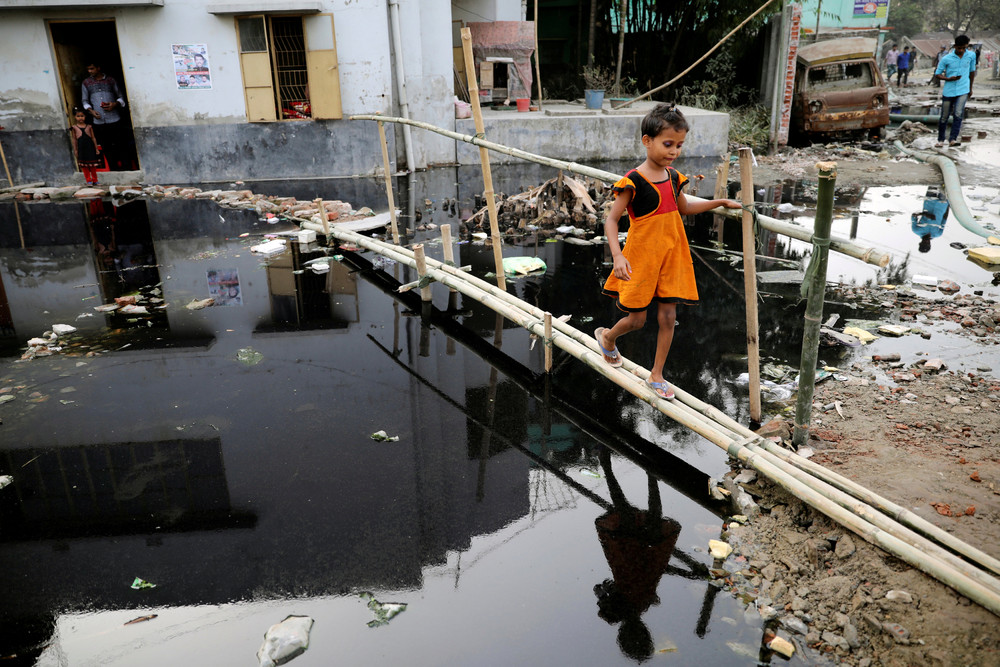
{"x": 878, "y": 520}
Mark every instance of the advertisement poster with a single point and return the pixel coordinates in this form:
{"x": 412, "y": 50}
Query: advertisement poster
{"x": 871, "y": 8}
{"x": 191, "y": 66}
{"x": 224, "y": 287}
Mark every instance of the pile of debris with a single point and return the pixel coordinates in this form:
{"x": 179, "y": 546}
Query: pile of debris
{"x": 570, "y": 204}
{"x": 269, "y": 208}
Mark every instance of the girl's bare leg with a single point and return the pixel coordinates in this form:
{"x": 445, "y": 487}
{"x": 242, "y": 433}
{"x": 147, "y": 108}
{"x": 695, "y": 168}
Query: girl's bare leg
{"x": 666, "y": 316}
{"x": 631, "y": 322}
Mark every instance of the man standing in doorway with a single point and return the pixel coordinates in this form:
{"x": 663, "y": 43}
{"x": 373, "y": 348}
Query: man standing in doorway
{"x": 958, "y": 71}
{"x": 891, "y": 57}
{"x": 102, "y": 99}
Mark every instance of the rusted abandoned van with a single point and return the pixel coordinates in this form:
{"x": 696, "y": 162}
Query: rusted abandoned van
{"x": 839, "y": 90}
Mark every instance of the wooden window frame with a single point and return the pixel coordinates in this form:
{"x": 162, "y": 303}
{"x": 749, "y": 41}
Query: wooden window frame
{"x": 260, "y": 93}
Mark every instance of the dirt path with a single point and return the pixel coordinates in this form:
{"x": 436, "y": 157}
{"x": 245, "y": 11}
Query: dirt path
{"x": 927, "y": 440}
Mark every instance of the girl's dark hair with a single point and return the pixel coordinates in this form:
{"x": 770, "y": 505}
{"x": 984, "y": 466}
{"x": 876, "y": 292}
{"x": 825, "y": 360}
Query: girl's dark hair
{"x": 77, "y": 110}
{"x": 661, "y": 117}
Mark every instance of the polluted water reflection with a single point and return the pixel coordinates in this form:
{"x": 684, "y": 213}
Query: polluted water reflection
{"x": 520, "y": 517}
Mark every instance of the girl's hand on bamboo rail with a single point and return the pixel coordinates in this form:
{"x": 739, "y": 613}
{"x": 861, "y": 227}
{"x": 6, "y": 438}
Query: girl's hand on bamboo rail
{"x": 688, "y": 207}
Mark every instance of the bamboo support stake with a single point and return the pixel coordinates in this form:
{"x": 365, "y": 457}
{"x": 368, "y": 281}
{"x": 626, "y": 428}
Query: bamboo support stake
{"x": 449, "y": 249}
{"x": 845, "y": 246}
{"x": 538, "y": 66}
{"x": 421, "y": 263}
{"x": 548, "y": 342}
{"x": 816, "y": 274}
{"x": 6, "y": 169}
{"x": 321, "y": 213}
{"x": 388, "y": 183}
{"x": 750, "y": 281}
{"x": 484, "y": 157}
{"x": 721, "y": 192}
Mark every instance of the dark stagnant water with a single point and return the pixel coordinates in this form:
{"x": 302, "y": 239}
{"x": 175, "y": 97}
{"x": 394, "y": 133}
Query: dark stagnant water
{"x": 523, "y": 520}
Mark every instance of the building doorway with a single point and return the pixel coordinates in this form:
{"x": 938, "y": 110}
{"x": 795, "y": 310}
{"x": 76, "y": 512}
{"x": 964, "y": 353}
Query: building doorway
{"x": 76, "y": 45}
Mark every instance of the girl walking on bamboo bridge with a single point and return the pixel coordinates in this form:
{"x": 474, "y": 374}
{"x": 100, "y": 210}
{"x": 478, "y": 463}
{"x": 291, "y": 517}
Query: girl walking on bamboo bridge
{"x": 655, "y": 264}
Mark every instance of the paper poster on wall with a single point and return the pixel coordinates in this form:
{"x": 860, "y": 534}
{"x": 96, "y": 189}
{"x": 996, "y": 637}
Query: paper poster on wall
{"x": 191, "y": 66}
{"x": 224, "y": 287}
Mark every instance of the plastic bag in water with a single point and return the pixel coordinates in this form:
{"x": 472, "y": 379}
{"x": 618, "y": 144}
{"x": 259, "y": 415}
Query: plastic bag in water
{"x": 285, "y": 641}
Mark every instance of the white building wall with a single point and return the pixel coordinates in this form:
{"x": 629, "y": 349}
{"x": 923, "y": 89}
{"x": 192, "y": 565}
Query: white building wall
{"x": 29, "y": 83}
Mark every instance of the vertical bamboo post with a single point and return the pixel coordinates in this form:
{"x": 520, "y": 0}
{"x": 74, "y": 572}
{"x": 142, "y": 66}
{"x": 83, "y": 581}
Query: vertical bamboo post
{"x": 816, "y": 277}
{"x": 548, "y": 342}
{"x": 484, "y": 157}
{"x": 388, "y": 183}
{"x": 321, "y": 212}
{"x": 421, "y": 260}
{"x": 750, "y": 281}
{"x": 538, "y": 65}
{"x": 721, "y": 192}
{"x": 449, "y": 249}
{"x": 6, "y": 169}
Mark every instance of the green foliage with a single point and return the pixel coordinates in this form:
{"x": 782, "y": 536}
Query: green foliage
{"x": 718, "y": 89}
{"x": 749, "y": 126}
{"x": 597, "y": 78}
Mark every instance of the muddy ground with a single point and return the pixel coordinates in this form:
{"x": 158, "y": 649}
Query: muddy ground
{"x": 927, "y": 440}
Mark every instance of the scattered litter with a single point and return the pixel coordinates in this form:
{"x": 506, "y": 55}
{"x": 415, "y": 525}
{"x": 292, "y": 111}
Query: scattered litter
{"x": 785, "y": 208}
{"x": 133, "y": 309}
{"x": 384, "y": 611}
{"x": 719, "y": 550}
{"x": 269, "y": 247}
{"x": 141, "y": 619}
{"x": 989, "y": 255}
{"x": 5, "y": 480}
{"x": 249, "y": 356}
{"x": 861, "y": 334}
{"x": 142, "y": 583}
{"x": 896, "y": 330}
{"x": 106, "y": 308}
{"x": 782, "y": 646}
{"x": 382, "y": 436}
{"x": 924, "y": 280}
{"x": 522, "y": 265}
{"x": 285, "y": 641}
{"x": 63, "y": 329}
{"x": 587, "y": 472}
{"x": 198, "y": 304}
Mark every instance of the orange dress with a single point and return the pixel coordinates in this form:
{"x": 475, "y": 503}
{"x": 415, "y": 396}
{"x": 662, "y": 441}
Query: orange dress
{"x": 657, "y": 246}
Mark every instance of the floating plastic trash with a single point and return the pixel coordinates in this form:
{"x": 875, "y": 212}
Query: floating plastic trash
{"x": 198, "y": 304}
{"x": 861, "y": 334}
{"x": 990, "y": 255}
{"x": 384, "y": 611}
{"x": 142, "y": 583}
{"x": 5, "y": 480}
{"x": 63, "y": 329}
{"x": 719, "y": 549}
{"x": 249, "y": 356}
{"x": 285, "y": 641}
{"x": 522, "y": 265}
{"x": 382, "y": 436}
{"x": 269, "y": 248}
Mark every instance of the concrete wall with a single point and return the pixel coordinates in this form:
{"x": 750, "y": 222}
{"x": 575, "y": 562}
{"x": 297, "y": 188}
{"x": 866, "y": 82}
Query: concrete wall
{"x": 588, "y": 138}
{"x": 203, "y": 135}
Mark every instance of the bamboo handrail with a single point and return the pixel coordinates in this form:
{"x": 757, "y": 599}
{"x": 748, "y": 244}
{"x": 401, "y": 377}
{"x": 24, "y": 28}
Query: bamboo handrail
{"x": 844, "y": 246}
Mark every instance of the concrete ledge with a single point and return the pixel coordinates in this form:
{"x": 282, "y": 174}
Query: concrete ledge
{"x": 571, "y": 132}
